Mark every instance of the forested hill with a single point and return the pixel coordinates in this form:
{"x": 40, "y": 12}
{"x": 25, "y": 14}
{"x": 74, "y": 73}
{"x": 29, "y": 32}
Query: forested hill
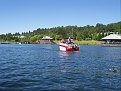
{"x": 77, "y": 32}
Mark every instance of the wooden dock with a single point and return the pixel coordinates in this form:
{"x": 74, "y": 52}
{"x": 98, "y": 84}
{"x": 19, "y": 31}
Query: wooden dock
{"x": 7, "y": 42}
{"x": 109, "y": 44}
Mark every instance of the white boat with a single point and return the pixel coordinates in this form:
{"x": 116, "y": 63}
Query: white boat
{"x": 68, "y": 47}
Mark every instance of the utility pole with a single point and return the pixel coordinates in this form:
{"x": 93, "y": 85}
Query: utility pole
{"x": 72, "y": 32}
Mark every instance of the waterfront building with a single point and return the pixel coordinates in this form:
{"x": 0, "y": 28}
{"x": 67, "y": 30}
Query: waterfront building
{"x": 45, "y": 40}
{"x": 112, "y": 40}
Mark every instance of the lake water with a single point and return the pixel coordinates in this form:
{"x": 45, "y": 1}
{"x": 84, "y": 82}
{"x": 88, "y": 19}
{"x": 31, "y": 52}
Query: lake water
{"x": 45, "y": 68}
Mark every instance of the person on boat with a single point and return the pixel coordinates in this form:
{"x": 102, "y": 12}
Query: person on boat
{"x": 69, "y": 40}
{"x": 63, "y": 41}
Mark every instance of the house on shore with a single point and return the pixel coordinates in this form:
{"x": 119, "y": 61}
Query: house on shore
{"x": 112, "y": 40}
{"x": 45, "y": 40}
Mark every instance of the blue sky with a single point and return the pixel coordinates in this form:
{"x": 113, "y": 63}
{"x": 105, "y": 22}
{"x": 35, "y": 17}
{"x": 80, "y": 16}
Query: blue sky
{"x": 24, "y": 15}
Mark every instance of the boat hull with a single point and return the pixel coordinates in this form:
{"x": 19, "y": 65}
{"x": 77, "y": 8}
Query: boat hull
{"x": 68, "y": 47}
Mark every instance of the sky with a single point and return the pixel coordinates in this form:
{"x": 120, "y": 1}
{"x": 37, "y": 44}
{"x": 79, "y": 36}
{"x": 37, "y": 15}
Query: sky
{"x": 28, "y": 15}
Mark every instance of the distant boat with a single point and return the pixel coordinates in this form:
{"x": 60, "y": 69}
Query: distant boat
{"x": 18, "y": 43}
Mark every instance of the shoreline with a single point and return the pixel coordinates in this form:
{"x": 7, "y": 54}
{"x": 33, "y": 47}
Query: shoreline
{"x": 83, "y": 42}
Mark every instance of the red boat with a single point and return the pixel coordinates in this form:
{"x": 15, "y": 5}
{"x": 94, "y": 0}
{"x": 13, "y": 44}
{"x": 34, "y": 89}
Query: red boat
{"x": 68, "y": 47}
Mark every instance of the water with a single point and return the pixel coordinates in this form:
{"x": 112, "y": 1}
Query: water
{"x": 44, "y": 67}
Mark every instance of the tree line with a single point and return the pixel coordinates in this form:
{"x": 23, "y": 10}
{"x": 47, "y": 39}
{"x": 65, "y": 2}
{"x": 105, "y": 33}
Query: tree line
{"x": 79, "y": 33}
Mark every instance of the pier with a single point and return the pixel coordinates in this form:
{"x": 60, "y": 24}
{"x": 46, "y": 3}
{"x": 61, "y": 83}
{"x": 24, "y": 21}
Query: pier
{"x": 8, "y": 43}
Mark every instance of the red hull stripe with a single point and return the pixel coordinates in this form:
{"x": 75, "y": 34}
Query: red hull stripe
{"x": 63, "y": 46}
{"x": 70, "y": 49}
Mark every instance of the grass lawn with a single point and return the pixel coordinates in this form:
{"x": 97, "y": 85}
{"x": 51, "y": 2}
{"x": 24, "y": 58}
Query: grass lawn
{"x": 86, "y": 42}
{"x": 83, "y": 42}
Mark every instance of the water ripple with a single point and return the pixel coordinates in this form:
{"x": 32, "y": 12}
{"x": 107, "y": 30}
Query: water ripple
{"x": 45, "y": 68}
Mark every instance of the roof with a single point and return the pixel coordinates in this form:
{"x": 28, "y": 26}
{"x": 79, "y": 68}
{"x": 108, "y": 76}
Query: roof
{"x": 112, "y": 36}
{"x": 47, "y": 38}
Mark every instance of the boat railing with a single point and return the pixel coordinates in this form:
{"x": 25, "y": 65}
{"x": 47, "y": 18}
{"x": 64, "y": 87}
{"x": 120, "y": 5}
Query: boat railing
{"x": 73, "y": 45}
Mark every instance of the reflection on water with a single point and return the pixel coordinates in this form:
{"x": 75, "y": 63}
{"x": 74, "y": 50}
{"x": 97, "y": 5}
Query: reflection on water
{"x": 67, "y": 53}
{"x": 64, "y": 54}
